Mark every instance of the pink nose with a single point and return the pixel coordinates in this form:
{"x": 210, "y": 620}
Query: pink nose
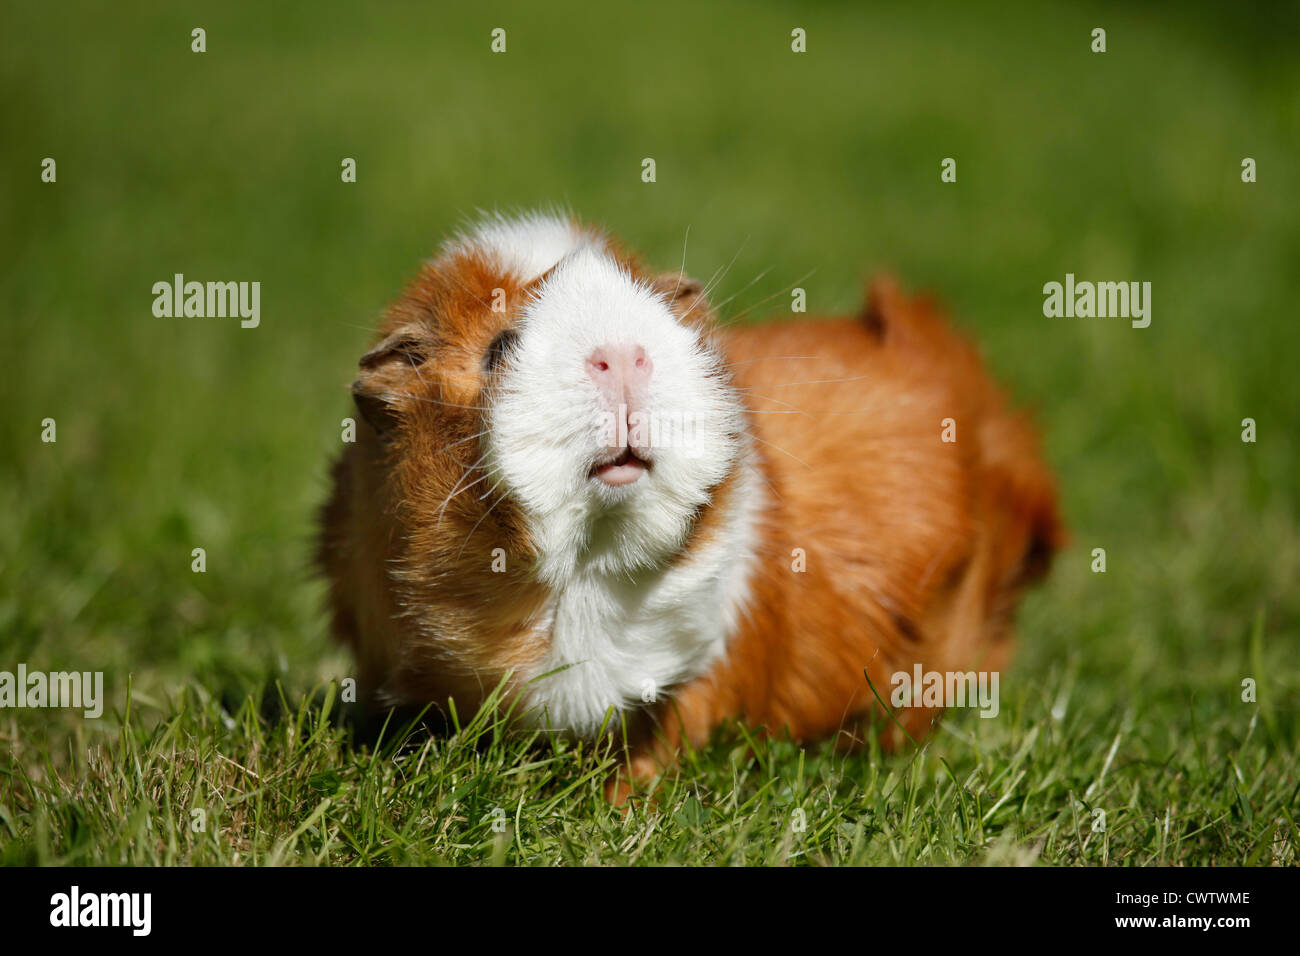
{"x": 622, "y": 376}
{"x": 620, "y": 371}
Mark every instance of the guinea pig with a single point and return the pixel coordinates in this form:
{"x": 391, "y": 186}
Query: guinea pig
{"x": 571, "y": 482}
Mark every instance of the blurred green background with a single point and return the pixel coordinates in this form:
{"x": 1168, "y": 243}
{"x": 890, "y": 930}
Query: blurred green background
{"x": 182, "y": 433}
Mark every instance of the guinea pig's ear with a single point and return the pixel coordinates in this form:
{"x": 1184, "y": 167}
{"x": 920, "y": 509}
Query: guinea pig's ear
{"x": 681, "y": 292}
{"x": 387, "y": 371}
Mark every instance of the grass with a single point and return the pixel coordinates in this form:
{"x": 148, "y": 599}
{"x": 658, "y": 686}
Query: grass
{"x": 1126, "y": 696}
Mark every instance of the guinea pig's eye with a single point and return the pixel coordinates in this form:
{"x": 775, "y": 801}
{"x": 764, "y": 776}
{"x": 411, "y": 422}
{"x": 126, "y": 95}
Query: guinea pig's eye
{"x": 502, "y": 344}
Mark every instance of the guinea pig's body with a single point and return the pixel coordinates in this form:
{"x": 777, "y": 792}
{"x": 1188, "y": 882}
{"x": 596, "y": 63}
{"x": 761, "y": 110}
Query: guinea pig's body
{"x": 571, "y": 481}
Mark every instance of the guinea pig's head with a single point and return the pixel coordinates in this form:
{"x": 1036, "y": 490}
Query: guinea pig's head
{"x": 542, "y": 401}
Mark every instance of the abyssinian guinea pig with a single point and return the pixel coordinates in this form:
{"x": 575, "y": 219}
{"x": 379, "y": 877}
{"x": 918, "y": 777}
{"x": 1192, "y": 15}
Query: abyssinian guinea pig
{"x": 571, "y": 481}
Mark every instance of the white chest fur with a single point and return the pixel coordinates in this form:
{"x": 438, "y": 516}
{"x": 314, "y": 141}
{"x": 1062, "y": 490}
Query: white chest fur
{"x": 624, "y": 642}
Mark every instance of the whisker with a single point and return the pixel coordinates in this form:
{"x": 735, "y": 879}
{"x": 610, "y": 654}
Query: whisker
{"x": 813, "y": 411}
{"x": 682, "y": 271}
{"x": 454, "y": 493}
{"x": 767, "y": 358}
{"x": 480, "y": 520}
{"x": 733, "y": 319}
{"x": 819, "y": 381}
{"x": 434, "y": 401}
{"x": 461, "y": 441}
{"x": 415, "y": 368}
{"x": 349, "y": 325}
{"x": 780, "y": 449}
{"x": 778, "y": 401}
{"x": 770, "y": 483}
{"x": 748, "y": 285}
{"x": 494, "y": 471}
{"x": 714, "y": 280}
{"x": 457, "y": 489}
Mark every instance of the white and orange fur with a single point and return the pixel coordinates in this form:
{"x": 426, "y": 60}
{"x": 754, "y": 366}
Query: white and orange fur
{"x": 483, "y": 531}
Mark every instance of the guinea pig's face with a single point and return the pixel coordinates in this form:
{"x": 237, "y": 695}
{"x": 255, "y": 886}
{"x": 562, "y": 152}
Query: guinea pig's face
{"x": 609, "y": 418}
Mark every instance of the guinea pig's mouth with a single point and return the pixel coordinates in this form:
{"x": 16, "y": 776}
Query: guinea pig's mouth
{"x": 620, "y": 471}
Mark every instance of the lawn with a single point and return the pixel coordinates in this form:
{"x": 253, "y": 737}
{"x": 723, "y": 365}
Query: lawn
{"x": 1123, "y": 736}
